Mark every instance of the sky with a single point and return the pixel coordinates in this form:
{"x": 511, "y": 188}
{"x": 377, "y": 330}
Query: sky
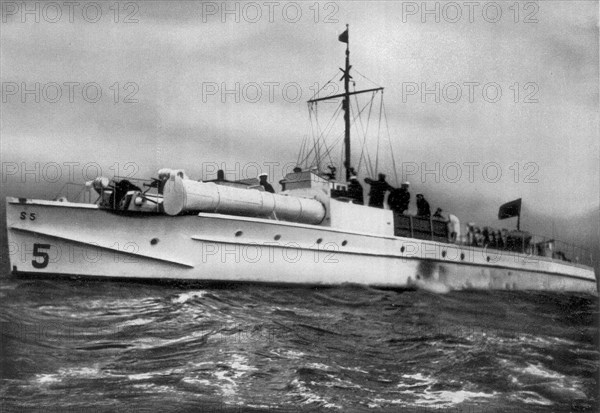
{"x": 201, "y": 85}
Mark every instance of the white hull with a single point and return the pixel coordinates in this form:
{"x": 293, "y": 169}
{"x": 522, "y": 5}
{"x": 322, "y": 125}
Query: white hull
{"x": 84, "y": 240}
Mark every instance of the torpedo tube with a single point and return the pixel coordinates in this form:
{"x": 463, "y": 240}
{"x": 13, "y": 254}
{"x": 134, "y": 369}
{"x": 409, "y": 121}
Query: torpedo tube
{"x": 187, "y": 196}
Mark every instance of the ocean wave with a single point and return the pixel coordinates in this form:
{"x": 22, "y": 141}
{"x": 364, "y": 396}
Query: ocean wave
{"x": 345, "y": 348}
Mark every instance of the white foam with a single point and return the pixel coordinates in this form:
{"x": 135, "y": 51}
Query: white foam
{"x": 311, "y": 397}
{"x": 47, "y": 378}
{"x": 356, "y": 369}
{"x": 441, "y": 399}
{"x": 135, "y": 322}
{"x": 78, "y": 372}
{"x": 227, "y": 379}
{"x": 420, "y": 378}
{"x": 191, "y": 380}
{"x": 140, "y": 376}
{"x": 228, "y": 389}
{"x": 319, "y": 366}
{"x": 449, "y": 398}
{"x": 530, "y": 397}
{"x": 289, "y": 354}
{"x": 239, "y": 364}
{"x": 433, "y": 286}
{"x": 259, "y": 406}
{"x": 184, "y": 297}
{"x": 540, "y": 371}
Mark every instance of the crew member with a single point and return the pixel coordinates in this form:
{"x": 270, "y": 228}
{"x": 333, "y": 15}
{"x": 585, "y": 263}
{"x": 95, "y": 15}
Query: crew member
{"x": 355, "y": 190}
{"x": 378, "y": 190}
{"x": 499, "y": 240}
{"x": 399, "y": 198}
{"x": 423, "y": 209}
{"x": 453, "y": 228}
{"x": 471, "y": 234}
{"x": 438, "y": 214}
{"x": 263, "y": 182}
{"x": 331, "y": 174}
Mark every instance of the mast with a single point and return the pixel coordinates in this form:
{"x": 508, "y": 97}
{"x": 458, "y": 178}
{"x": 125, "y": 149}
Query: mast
{"x": 347, "y": 106}
{"x": 344, "y": 38}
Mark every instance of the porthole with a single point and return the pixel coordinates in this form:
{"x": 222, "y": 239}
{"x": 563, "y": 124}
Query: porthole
{"x": 154, "y": 241}
{"x": 402, "y": 248}
{"x": 344, "y": 243}
{"x": 443, "y": 254}
{"x": 320, "y": 240}
{"x": 462, "y": 256}
{"x": 488, "y": 258}
{"x": 277, "y": 237}
{"x": 238, "y": 234}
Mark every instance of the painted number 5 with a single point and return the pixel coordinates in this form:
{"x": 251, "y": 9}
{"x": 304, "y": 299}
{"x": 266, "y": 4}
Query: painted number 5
{"x": 41, "y": 254}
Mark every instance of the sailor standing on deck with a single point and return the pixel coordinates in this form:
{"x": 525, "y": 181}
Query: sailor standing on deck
{"x": 378, "y": 190}
{"x": 453, "y": 228}
{"x": 423, "y": 209}
{"x": 263, "y": 182}
{"x": 399, "y": 198}
{"x": 355, "y": 190}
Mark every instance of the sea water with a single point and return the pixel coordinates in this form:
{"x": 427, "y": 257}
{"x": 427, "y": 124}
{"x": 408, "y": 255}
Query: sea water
{"x": 71, "y": 345}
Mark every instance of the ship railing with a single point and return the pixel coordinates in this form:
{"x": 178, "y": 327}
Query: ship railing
{"x": 148, "y": 187}
{"x": 534, "y": 245}
{"x": 143, "y": 181}
{"x": 145, "y": 184}
{"x": 512, "y": 242}
{"x": 85, "y": 193}
{"x": 420, "y": 227}
{"x": 77, "y": 192}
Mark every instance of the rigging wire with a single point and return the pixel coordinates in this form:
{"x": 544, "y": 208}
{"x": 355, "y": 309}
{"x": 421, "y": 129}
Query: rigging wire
{"x": 330, "y": 126}
{"x": 369, "y": 165}
{"x": 364, "y": 149}
{"x": 366, "y": 78}
{"x": 315, "y": 147}
{"x": 369, "y": 121}
{"x": 379, "y": 136}
{"x": 303, "y": 149}
{"x": 340, "y": 137}
{"x": 323, "y": 87}
{"x": 322, "y": 150}
{"x": 389, "y": 140}
{"x": 321, "y": 142}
